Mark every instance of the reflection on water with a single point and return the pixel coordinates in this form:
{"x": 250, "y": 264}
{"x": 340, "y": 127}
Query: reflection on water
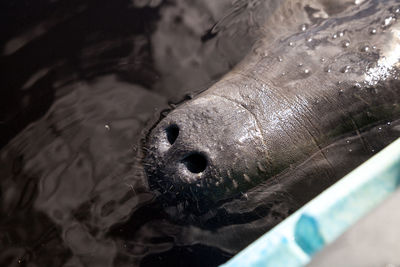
{"x": 82, "y": 82}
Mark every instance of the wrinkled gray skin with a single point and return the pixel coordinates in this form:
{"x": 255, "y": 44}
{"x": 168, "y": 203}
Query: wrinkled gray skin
{"x": 327, "y": 73}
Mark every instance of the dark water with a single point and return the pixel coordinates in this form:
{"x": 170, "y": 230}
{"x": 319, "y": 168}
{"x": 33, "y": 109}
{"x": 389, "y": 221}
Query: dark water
{"x": 81, "y": 84}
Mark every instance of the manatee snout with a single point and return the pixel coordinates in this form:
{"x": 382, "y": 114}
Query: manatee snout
{"x": 191, "y": 152}
{"x": 279, "y": 109}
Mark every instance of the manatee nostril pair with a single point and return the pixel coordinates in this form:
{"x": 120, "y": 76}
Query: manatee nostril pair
{"x": 195, "y": 162}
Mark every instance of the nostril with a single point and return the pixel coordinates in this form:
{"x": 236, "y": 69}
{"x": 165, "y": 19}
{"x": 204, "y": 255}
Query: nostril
{"x": 172, "y": 132}
{"x": 195, "y": 162}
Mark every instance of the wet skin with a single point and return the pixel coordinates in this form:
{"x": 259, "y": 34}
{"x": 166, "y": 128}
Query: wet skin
{"x": 294, "y": 95}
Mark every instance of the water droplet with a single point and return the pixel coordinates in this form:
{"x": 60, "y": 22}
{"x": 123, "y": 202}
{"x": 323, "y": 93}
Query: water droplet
{"x": 388, "y": 123}
{"x": 372, "y": 31}
{"x": 280, "y": 59}
{"x": 341, "y": 34}
{"x": 283, "y": 73}
{"x": 388, "y": 21}
{"x": 306, "y": 71}
{"x": 365, "y": 48}
{"x": 322, "y": 59}
{"x": 328, "y": 70}
{"x": 107, "y": 127}
{"x": 345, "y": 69}
{"x": 348, "y": 141}
{"x": 380, "y": 128}
{"x": 303, "y": 27}
{"x": 300, "y": 65}
{"x": 309, "y": 40}
{"x": 290, "y": 43}
{"x": 372, "y": 150}
{"x": 334, "y": 36}
{"x": 345, "y": 43}
{"x": 246, "y": 177}
{"x": 350, "y": 150}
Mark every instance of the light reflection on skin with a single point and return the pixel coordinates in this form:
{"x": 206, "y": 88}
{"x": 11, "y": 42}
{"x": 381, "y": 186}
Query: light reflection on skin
{"x": 389, "y": 59}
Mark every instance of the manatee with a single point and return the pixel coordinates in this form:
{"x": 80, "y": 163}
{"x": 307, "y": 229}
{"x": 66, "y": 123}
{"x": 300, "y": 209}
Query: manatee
{"x": 320, "y": 70}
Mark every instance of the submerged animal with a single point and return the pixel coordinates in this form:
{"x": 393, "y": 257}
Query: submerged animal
{"x": 326, "y": 73}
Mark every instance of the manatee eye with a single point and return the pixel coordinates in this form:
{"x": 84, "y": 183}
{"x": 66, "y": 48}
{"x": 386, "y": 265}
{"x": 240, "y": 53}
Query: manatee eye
{"x": 172, "y": 133}
{"x": 195, "y": 162}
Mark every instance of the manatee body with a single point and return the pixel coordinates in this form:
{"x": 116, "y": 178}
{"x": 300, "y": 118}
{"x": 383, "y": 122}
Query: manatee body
{"x": 325, "y": 74}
